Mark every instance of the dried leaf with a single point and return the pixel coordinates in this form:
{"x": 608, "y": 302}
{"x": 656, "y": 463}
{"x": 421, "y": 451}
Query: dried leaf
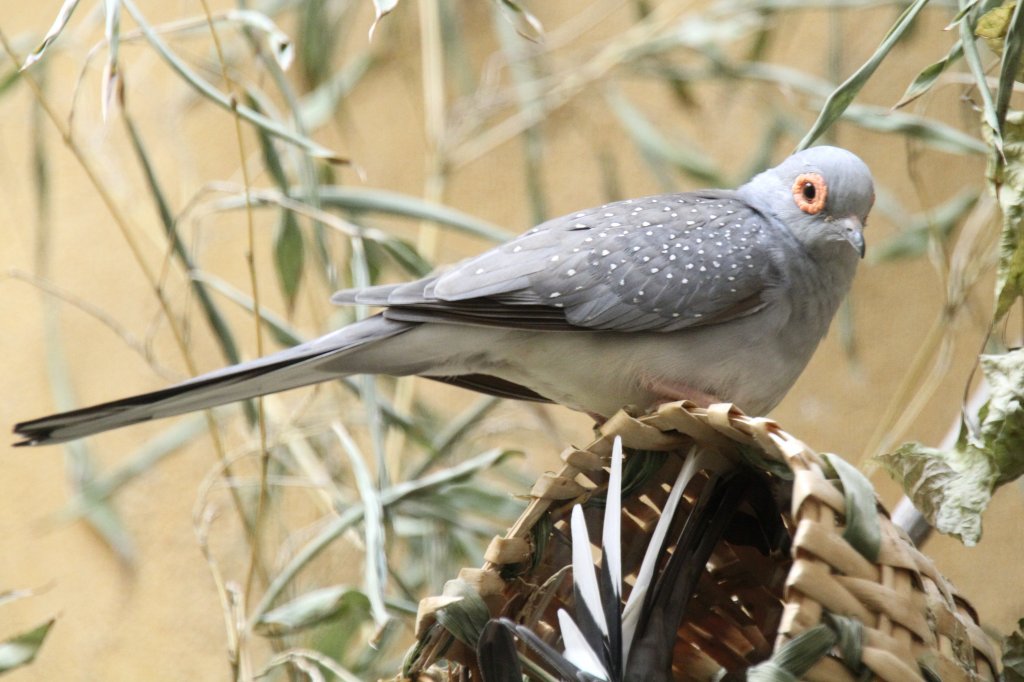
{"x": 952, "y": 487}
{"x": 1013, "y": 655}
{"x": 1002, "y": 427}
{"x": 1006, "y": 179}
{"x": 993, "y": 25}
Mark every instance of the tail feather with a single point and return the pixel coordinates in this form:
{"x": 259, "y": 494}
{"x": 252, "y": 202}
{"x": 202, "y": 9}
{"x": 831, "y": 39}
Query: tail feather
{"x": 299, "y": 366}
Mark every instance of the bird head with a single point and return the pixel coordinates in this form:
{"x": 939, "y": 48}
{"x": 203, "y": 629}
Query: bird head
{"x": 822, "y": 194}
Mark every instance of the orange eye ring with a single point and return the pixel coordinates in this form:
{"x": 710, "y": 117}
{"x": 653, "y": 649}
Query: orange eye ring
{"x": 810, "y": 192}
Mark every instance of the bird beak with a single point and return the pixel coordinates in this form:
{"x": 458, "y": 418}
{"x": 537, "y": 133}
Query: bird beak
{"x": 853, "y": 231}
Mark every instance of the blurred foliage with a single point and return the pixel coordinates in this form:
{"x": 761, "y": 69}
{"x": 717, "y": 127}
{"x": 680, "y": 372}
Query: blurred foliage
{"x": 419, "y": 496}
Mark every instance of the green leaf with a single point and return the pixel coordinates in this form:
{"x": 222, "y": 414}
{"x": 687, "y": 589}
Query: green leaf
{"x": 1006, "y": 179}
{"x": 843, "y": 96}
{"x": 21, "y": 649}
{"x": 464, "y": 618}
{"x": 219, "y": 326}
{"x": 862, "y": 529}
{"x": 315, "y": 44}
{"x": 912, "y": 242}
{"x": 934, "y": 133}
{"x": 407, "y": 206}
{"x": 929, "y": 74}
{"x": 313, "y": 608}
{"x": 289, "y": 256}
{"x": 794, "y": 658}
{"x": 652, "y": 141}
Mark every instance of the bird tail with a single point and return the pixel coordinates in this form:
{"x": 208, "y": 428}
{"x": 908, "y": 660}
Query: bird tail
{"x": 302, "y": 365}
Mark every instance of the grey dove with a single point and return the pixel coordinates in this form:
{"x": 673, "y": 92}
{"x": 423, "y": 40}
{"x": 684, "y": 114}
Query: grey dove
{"x": 714, "y": 295}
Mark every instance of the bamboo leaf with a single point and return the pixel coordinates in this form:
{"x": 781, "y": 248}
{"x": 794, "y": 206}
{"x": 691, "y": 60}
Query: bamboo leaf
{"x": 844, "y": 95}
{"x": 289, "y": 256}
{"x": 375, "y": 574}
{"x": 652, "y": 141}
{"x": 526, "y": 24}
{"x": 112, "y": 89}
{"x": 206, "y": 89}
{"x": 21, "y": 650}
{"x": 973, "y": 59}
{"x": 382, "y": 8}
{"x": 395, "y": 203}
{"x": 912, "y": 242}
{"x": 313, "y": 608}
{"x": 929, "y": 74}
{"x": 279, "y": 44}
{"x": 59, "y": 23}
{"x": 219, "y": 326}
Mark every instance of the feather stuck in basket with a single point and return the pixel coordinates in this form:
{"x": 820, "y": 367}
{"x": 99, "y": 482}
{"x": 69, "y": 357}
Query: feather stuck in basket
{"x": 737, "y": 553}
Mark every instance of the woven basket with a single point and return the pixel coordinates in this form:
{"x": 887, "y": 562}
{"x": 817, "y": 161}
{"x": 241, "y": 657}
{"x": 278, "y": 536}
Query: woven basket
{"x": 755, "y": 594}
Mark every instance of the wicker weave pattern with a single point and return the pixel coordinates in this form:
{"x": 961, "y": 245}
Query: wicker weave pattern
{"x": 746, "y": 602}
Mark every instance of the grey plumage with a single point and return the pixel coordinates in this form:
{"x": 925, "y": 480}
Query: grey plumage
{"x": 703, "y": 295}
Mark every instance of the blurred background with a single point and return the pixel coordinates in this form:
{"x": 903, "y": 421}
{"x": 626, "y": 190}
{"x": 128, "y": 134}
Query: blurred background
{"x": 124, "y": 267}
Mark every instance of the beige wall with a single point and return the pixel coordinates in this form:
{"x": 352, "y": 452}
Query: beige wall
{"x": 161, "y": 620}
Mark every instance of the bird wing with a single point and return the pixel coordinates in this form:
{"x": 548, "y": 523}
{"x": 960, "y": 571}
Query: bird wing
{"x": 661, "y": 263}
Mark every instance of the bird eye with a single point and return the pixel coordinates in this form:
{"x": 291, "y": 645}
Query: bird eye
{"x": 810, "y": 192}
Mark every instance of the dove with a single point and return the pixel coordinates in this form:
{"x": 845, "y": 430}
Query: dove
{"x": 711, "y": 296}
